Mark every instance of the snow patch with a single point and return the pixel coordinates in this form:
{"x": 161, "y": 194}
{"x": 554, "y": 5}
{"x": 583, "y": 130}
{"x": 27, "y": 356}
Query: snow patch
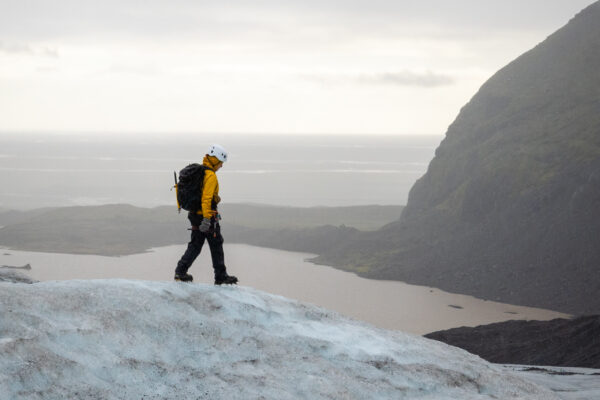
{"x": 116, "y": 339}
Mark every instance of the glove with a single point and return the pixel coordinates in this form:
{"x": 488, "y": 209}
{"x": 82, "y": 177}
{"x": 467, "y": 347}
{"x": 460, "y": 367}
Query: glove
{"x": 205, "y": 225}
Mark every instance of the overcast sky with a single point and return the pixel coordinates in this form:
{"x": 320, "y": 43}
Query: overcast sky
{"x": 261, "y": 66}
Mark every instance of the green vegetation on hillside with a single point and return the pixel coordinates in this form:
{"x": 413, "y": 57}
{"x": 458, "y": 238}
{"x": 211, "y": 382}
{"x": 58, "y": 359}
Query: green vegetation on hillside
{"x": 508, "y": 209}
{"x": 124, "y": 229}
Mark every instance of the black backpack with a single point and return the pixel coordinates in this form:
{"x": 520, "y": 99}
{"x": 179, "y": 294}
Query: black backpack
{"x": 189, "y": 188}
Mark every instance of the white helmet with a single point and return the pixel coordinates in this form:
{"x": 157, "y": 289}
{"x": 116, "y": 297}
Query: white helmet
{"x": 218, "y": 151}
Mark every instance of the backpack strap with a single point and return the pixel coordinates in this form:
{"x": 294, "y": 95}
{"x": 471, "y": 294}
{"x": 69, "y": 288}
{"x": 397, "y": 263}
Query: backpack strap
{"x": 176, "y": 196}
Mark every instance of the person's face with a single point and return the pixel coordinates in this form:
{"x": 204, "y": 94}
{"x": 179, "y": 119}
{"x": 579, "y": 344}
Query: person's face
{"x": 218, "y": 166}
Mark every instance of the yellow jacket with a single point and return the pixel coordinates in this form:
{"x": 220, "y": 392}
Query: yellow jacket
{"x": 210, "y": 188}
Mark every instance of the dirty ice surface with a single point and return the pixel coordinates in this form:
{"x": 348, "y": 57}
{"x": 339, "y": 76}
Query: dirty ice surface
{"x": 568, "y": 383}
{"x": 124, "y": 339}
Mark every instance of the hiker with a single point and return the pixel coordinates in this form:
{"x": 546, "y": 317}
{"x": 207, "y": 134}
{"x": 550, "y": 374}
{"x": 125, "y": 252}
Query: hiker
{"x": 205, "y": 223}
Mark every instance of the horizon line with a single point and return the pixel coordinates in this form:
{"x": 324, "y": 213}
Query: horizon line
{"x": 201, "y": 133}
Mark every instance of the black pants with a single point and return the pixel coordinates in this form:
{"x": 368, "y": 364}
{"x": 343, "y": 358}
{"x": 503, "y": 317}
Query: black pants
{"x": 215, "y": 242}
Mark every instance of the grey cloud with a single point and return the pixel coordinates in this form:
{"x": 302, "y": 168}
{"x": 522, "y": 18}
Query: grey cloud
{"x": 35, "y": 19}
{"x": 15, "y": 48}
{"x": 475, "y": 15}
{"x": 49, "y": 52}
{"x": 25, "y": 49}
{"x": 131, "y": 70}
{"x": 64, "y": 19}
{"x": 428, "y": 79}
{"x": 47, "y": 70}
{"x": 408, "y": 78}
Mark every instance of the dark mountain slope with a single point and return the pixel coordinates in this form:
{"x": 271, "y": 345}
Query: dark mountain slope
{"x": 560, "y": 342}
{"x": 509, "y": 208}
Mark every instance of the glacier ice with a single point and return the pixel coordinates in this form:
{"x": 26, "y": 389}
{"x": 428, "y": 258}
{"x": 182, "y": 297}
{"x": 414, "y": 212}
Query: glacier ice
{"x": 124, "y": 339}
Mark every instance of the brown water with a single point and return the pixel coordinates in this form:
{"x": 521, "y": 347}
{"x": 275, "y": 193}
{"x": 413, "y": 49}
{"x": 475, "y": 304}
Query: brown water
{"x": 386, "y": 304}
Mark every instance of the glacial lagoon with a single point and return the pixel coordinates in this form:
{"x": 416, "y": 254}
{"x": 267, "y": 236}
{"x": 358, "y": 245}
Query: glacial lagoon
{"x": 385, "y": 304}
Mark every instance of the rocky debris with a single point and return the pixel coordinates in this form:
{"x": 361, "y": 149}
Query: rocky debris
{"x": 7, "y": 275}
{"x": 26, "y": 266}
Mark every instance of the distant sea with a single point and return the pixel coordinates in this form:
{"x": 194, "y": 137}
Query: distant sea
{"x": 44, "y": 170}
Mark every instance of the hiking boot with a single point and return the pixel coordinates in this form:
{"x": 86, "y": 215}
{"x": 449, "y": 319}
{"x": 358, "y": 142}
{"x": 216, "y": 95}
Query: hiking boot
{"x": 183, "y": 277}
{"x": 226, "y": 280}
